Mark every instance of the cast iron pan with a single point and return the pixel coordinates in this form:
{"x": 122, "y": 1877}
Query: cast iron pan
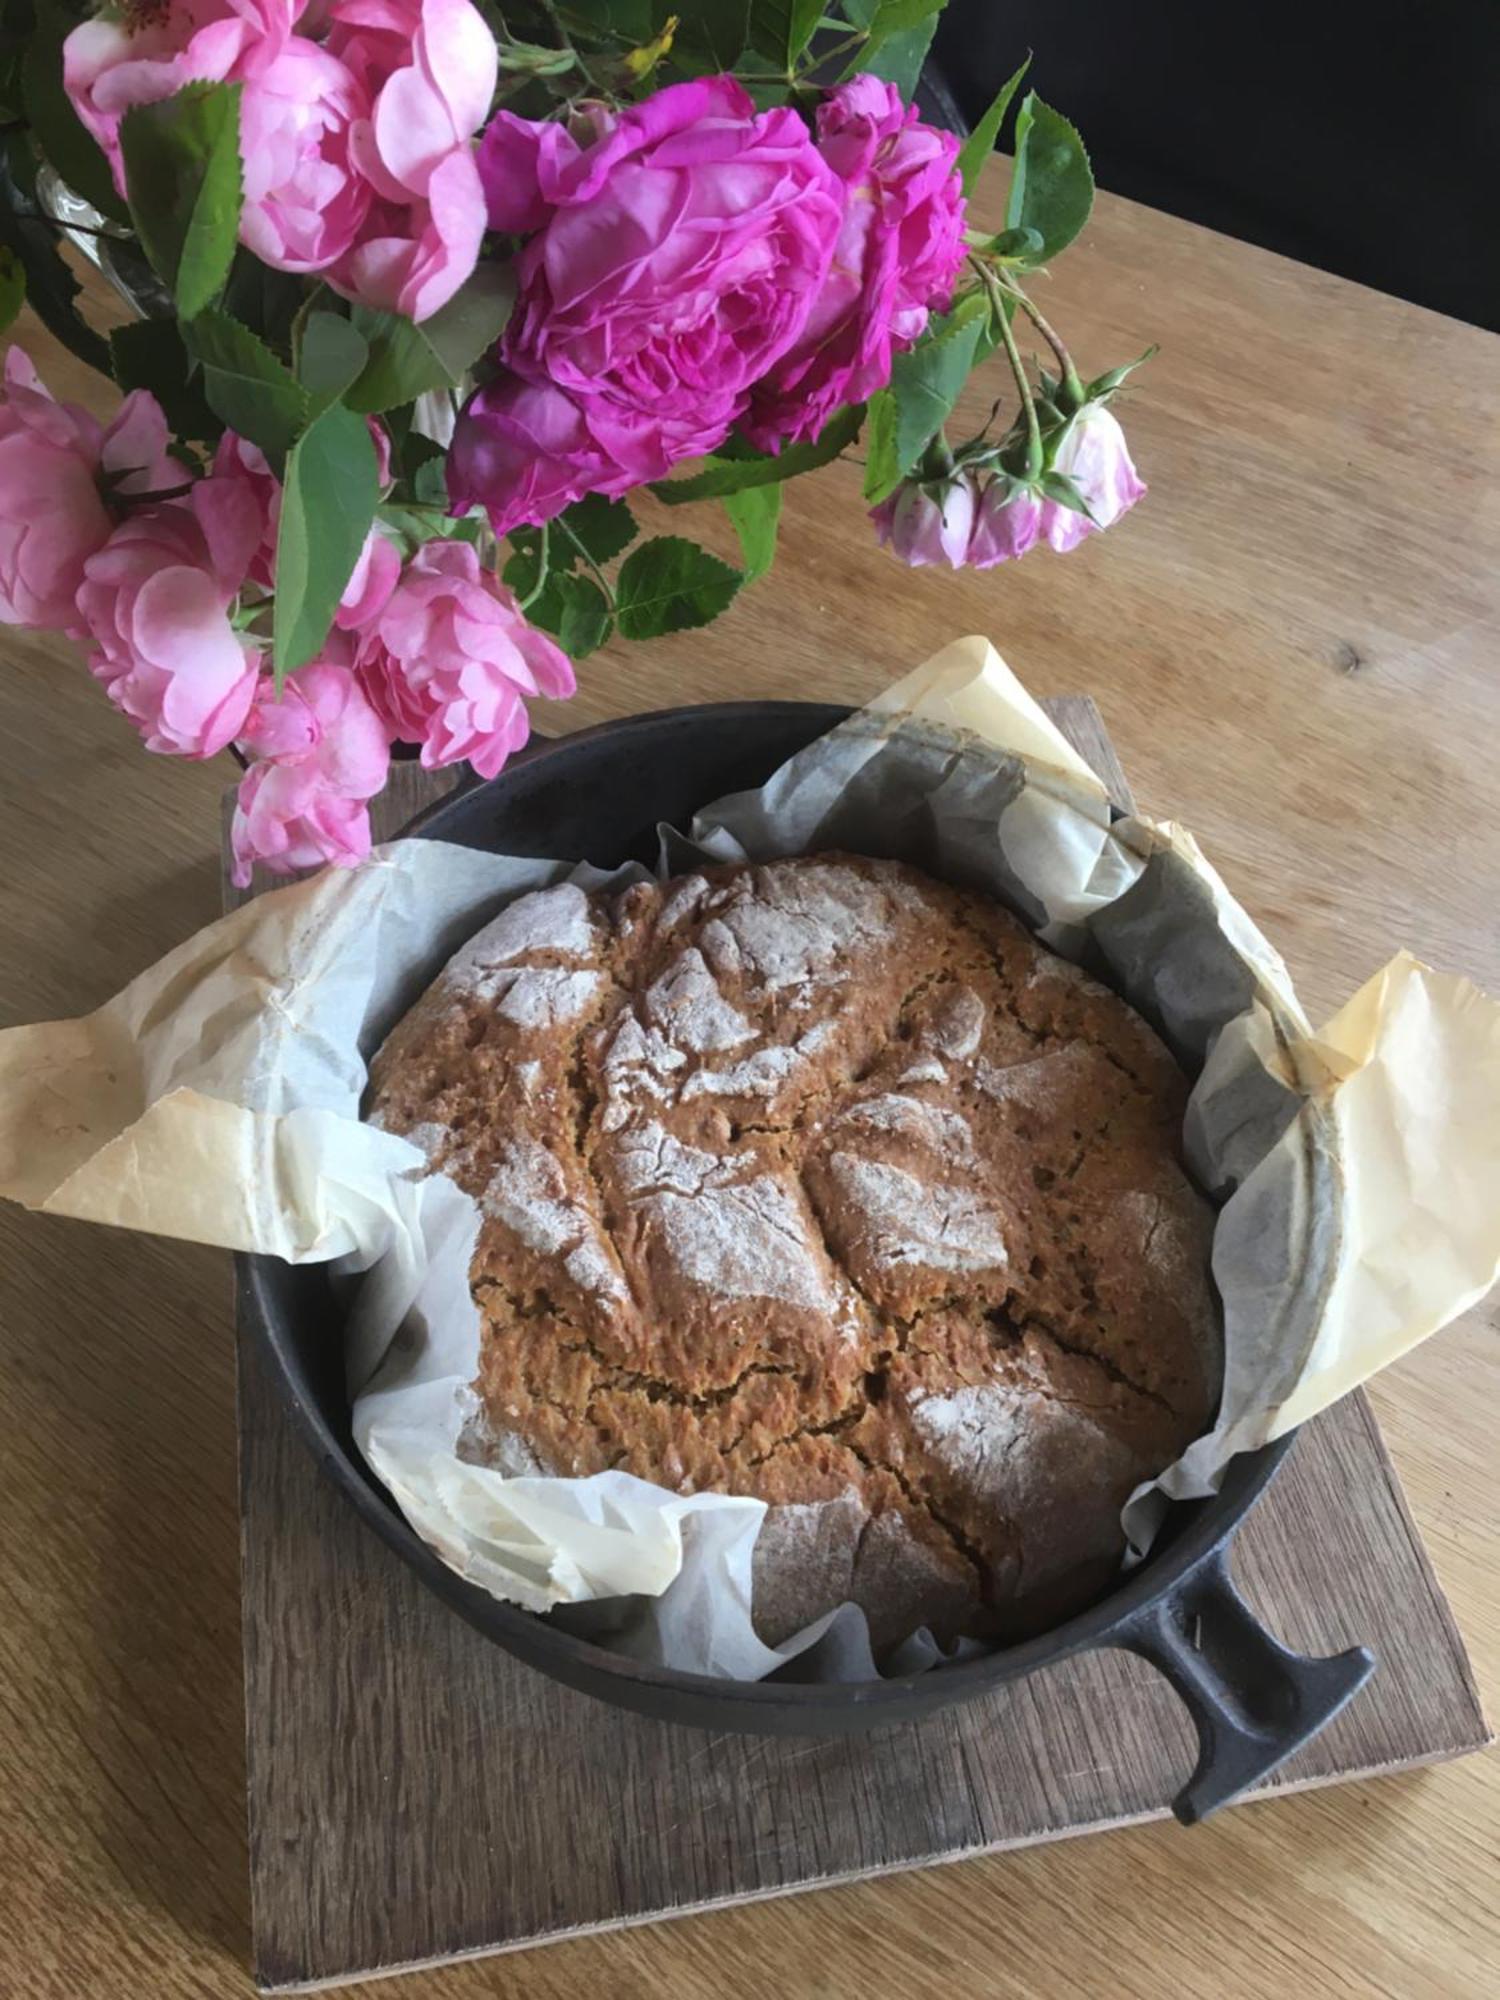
{"x": 600, "y": 795}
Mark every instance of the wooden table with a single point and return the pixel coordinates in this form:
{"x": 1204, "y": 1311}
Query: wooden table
{"x": 1311, "y": 595}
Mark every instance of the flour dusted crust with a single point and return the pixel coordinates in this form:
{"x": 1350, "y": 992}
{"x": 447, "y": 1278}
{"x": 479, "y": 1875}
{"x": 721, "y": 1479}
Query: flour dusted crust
{"x": 823, "y": 1182}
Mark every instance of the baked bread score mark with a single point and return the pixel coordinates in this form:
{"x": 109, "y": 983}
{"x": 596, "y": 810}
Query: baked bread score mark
{"x": 823, "y": 1182}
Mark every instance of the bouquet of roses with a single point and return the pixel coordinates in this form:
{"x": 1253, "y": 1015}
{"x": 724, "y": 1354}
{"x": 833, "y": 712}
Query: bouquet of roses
{"x": 427, "y": 287}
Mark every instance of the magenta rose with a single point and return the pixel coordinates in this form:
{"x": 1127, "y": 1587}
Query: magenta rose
{"x": 305, "y": 202}
{"x": 141, "y": 57}
{"x": 56, "y": 461}
{"x": 899, "y": 252}
{"x": 318, "y": 755}
{"x": 450, "y": 657}
{"x": 428, "y": 69}
{"x": 525, "y": 450}
{"x": 679, "y": 248}
{"x": 154, "y": 604}
{"x": 1094, "y": 455}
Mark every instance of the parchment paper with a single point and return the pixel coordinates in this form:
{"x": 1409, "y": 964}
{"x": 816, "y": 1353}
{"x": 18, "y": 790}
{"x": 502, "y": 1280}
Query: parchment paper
{"x": 217, "y": 1099}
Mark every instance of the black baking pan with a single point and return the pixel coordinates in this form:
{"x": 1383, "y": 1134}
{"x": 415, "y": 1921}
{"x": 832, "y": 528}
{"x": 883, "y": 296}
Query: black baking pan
{"x": 600, "y": 795}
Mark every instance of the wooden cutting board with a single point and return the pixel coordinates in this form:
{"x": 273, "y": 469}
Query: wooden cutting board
{"x": 416, "y": 1795}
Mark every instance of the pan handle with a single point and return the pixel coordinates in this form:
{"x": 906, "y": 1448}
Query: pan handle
{"x": 1253, "y": 1701}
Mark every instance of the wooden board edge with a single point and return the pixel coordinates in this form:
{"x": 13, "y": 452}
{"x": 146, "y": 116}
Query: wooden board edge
{"x": 1048, "y": 1837}
{"x": 1452, "y": 1634}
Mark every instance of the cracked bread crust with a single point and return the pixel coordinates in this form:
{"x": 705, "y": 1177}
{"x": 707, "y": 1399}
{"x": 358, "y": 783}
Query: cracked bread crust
{"x": 823, "y": 1182}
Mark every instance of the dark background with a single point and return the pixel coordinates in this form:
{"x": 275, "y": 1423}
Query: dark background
{"x": 1363, "y": 139}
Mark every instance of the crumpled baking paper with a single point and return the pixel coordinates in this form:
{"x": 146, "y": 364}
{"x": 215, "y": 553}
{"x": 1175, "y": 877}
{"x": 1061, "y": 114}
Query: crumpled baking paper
{"x": 217, "y": 1099}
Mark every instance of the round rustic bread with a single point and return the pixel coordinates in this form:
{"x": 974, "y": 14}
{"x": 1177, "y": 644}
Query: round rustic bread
{"x": 823, "y": 1182}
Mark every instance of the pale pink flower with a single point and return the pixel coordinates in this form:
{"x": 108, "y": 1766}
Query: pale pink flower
{"x": 55, "y": 463}
{"x": 1006, "y": 526}
{"x": 305, "y": 202}
{"x": 428, "y": 68}
{"x": 927, "y": 522}
{"x": 117, "y": 61}
{"x": 318, "y": 754}
{"x": 1094, "y": 455}
{"x": 154, "y": 604}
{"x": 451, "y": 656}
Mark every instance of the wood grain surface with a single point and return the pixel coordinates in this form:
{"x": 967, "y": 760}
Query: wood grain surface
{"x": 1293, "y": 641}
{"x": 546, "y": 1814}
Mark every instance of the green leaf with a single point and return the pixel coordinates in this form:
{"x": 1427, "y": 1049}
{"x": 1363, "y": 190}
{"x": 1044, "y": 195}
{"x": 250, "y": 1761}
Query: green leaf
{"x": 981, "y": 141}
{"x": 782, "y": 29}
{"x": 892, "y": 17}
{"x": 606, "y": 528}
{"x": 266, "y": 301}
{"x": 926, "y": 380}
{"x": 574, "y": 609}
{"x": 882, "y": 466}
{"x": 253, "y": 392}
{"x": 327, "y": 505}
{"x": 671, "y": 585}
{"x": 1106, "y": 384}
{"x": 756, "y": 513}
{"x": 407, "y": 360}
{"x": 634, "y": 21}
{"x": 524, "y": 567}
{"x": 430, "y": 480}
{"x": 901, "y": 33}
{"x": 711, "y": 36}
{"x": 1052, "y": 187}
{"x": 1020, "y": 245}
{"x": 719, "y": 475}
{"x": 418, "y": 525}
{"x": 182, "y": 175}
{"x": 330, "y": 355}
{"x": 149, "y": 354}
{"x": 401, "y": 364}
{"x": 535, "y": 58}
{"x": 55, "y": 125}
{"x": 51, "y": 287}
{"x": 12, "y": 286}
{"x": 473, "y": 319}
{"x": 1058, "y": 486}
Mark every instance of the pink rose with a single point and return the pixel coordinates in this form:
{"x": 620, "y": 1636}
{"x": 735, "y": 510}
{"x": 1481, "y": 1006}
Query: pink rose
{"x": 368, "y": 590}
{"x": 112, "y": 64}
{"x": 927, "y": 523}
{"x": 318, "y": 754}
{"x": 682, "y": 244}
{"x": 239, "y": 464}
{"x": 154, "y": 604}
{"x": 450, "y": 657}
{"x": 304, "y": 201}
{"x": 1007, "y": 524}
{"x": 428, "y": 68}
{"x": 54, "y": 458}
{"x": 1094, "y": 455}
{"x": 899, "y": 251}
